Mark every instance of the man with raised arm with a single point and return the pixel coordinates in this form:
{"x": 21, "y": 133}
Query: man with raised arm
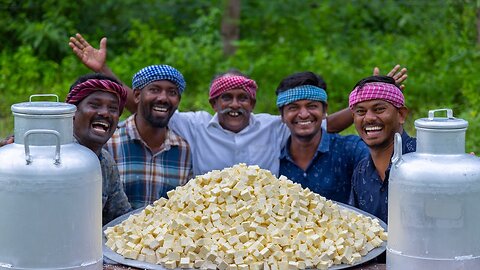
{"x": 379, "y": 111}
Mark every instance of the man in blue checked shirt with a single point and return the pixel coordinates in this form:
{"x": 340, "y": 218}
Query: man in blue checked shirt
{"x": 151, "y": 158}
{"x": 318, "y": 160}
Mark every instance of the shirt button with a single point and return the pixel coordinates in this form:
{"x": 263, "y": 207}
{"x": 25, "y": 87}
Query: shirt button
{"x": 304, "y": 174}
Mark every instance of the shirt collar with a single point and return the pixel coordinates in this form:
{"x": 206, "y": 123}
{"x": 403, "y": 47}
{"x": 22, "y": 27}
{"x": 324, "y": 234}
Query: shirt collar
{"x": 171, "y": 137}
{"x": 215, "y": 123}
{"x": 323, "y": 146}
{"x": 131, "y": 128}
{"x": 407, "y": 142}
{"x": 405, "y": 137}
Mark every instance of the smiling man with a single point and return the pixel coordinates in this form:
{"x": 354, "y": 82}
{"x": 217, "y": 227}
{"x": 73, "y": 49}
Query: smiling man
{"x": 151, "y": 158}
{"x": 321, "y": 161}
{"x": 378, "y": 108}
{"x": 233, "y": 134}
{"x": 100, "y": 101}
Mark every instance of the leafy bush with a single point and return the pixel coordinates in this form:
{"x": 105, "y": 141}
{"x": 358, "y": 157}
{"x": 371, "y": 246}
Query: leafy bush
{"x": 435, "y": 40}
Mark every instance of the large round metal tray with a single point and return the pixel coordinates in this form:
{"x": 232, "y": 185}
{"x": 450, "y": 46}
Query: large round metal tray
{"x": 111, "y": 255}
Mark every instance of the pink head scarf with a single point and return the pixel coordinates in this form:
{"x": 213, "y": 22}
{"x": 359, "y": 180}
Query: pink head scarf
{"x": 82, "y": 90}
{"x": 229, "y": 82}
{"x": 377, "y": 90}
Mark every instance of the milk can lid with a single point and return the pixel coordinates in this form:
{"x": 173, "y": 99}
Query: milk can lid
{"x": 448, "y": 122}
{"x": 43, "y": 107}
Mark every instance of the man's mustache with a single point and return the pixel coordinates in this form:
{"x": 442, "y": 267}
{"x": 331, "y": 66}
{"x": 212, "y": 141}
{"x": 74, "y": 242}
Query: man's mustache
{"x": 228, "y": 110}
{"x": 106, "y": 119}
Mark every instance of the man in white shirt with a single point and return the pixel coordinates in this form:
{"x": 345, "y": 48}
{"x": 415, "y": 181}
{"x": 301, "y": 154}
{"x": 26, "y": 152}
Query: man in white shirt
{"x": 233, "y": 134}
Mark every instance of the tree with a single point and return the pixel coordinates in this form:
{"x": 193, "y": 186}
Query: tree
{"x": 478, "y": 24}
{"x": 230, "y": 28}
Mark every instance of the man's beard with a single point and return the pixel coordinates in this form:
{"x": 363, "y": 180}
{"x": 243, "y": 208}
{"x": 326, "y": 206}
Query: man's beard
{"x": 157, "y": 122}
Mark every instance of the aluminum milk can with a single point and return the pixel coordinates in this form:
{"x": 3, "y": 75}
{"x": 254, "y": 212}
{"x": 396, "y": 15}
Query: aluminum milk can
{"x": 50, "y": 193}
{"x": 434, "y": 199}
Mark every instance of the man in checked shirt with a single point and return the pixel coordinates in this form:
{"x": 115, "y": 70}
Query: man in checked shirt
{"x": 151, "y": 158}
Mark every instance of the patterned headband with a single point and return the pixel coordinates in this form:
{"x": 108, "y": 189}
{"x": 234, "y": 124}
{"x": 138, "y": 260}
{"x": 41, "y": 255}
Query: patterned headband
{"x": 229, "y": 82}
{"x": 309, "y": 92}
{"x": 82, "y": 90}
{"x": 377, "y": 90}
{"x": 153, "y": 73}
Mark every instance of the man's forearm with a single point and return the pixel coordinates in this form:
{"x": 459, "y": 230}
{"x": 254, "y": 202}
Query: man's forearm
{"x": 339, "y": 121}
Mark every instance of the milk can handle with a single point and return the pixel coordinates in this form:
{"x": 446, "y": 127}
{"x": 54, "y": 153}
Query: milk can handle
{"x": 43, "y": 95}
{"x": 431, "y": 113}
{"x": 28, "y": 157}
{"x": 397, "y": 149}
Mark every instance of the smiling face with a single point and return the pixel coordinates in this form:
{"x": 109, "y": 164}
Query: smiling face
{"x": 304, "y": 118}
{"x": 96, "y": 119}
{"x": 234, "y": 108}
{"x": 377, "y": 121}
{"x": 157, "y": 102}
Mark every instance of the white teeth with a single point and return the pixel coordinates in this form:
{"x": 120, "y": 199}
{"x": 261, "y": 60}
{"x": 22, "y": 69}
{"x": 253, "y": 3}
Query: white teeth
{"x": 103, "y": 124}
{"x": 159, "y": 109}
{"x": 375, "y": 128}
{"x": 304, "y": 123}
{"x": 234, "y": 114}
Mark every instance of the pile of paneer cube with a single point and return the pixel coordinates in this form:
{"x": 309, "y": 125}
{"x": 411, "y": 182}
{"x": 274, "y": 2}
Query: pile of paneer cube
{"x": 244, "y": 218}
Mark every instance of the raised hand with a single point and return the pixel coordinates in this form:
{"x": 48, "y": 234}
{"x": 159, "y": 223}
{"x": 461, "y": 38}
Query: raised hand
{"x": 399, "y": 75}
{"x": 94, "y": 59}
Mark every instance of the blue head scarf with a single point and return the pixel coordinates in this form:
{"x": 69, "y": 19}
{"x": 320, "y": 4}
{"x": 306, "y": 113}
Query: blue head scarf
{"x": 153, "y": 73}
{"x": 309, "y": 92}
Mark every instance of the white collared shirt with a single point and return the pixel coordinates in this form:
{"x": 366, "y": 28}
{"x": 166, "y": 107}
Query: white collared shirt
{"x": 215, "y": 148}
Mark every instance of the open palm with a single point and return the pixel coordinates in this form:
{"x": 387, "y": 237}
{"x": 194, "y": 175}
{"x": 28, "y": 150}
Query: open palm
{"x": 92, "y": 58}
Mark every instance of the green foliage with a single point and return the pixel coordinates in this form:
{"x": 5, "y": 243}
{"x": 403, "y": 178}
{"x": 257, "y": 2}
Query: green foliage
{"x": 23, "y": 74}
{"x": 341, "y": 40}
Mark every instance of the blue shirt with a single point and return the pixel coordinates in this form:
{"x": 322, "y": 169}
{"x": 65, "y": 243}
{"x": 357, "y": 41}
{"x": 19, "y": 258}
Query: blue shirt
{"x": 369, "y": 192}
{"x": 330, "y": 171}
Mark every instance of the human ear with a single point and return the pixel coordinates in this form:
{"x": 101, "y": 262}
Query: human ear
{"x": 213, "y": 102}
{"x": 253, "y": 101}
{"x": 403, "y": 113}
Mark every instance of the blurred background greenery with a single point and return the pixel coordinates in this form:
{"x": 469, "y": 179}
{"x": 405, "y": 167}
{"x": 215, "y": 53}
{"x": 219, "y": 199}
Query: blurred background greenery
{"x": 438, "y": 41}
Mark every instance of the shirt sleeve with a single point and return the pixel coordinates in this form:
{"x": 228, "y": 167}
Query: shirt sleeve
{"x": 283, "y": 132}
{"x": 117, "y": 202}
{"x": 184, "y": 124}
